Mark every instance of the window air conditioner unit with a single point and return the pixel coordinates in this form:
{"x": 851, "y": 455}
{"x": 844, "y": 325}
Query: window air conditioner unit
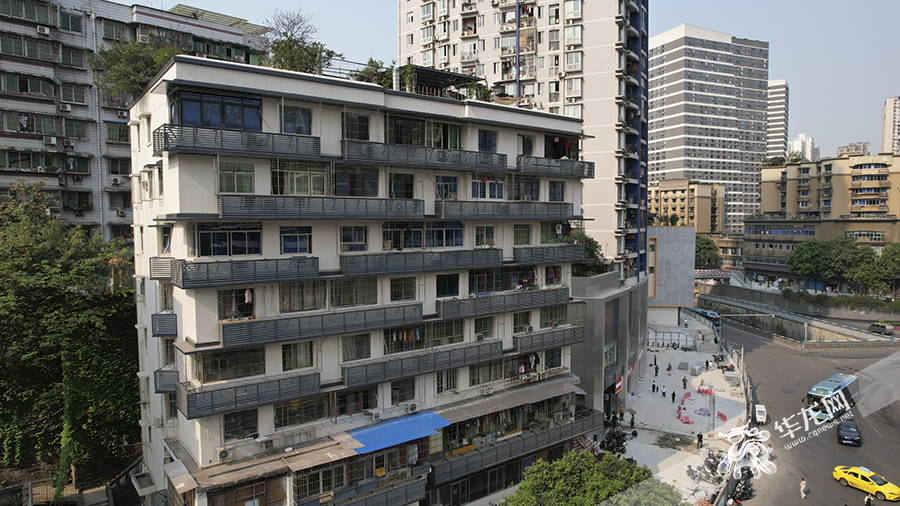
{"x": 225, "y": 454}
{"x": 487, "y": 390}
{"x": 529, "y": 328}
{"x": 377, "y": 415}
{"x": 49, "y": 140}
{"x": 116, "y": 181}
{"x": 65, "y": 107}
{"x": 77, "y": 177}
{"x": 69, "y": 143}
{"x": 43, "y": 30}
{"x": 122, "y": 114}
{"x": 144, "y": 39}
{"x": 479, "y": 336}
{"x": 120, "y": 213}
{"x": 412, "y": 408}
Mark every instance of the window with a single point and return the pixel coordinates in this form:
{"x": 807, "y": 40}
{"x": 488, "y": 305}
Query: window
{"x": 552, "y": 275}
{"x": 487, "y": 186}
{"x": 356, "y": 347}
{"x": 296, "y": 240}
{"x": 485, "y": 373}
{"x": 222, "y": 239}
{"x": 235, "y": 176}
{"x": 72, "y": 58}
{"x": 170, "y": 402}
{"x": 296, "y": 120}
{"x": 168, "y": 351}
{"x": 553, "y": 40}
{"x": 114, "y": 30}
{"x": 403, "y": 289}
{"x": 447, "y": 285}
{"x": 26, "y": 85}
{"x": 443, "y": 135}
{"x": 403, "y": 390}
{"x": 485, "y": 280}
{"x": 355, "y": 181}
{"x": 236, "y": 304}
{"x": 553, "y": 316}
{"x": 298, "y": 178}
{"x": 402, "y": 186}
{"x": 354, "y": 292}
{"x": 525, "y": 188}
{"x": 487, "y": 141}
{"x": 301, "y": 296}
{"x": 119, "y": 166}
{"x": 443, "y": 234}
{"x": 118, "y": 132}
{"x": 70, "y": 22}
{"x": 298, "y": 412}
{"x": 521, "y": 322}
{"x": 76, "y": 129}
{"x": 445, "y": 381}
{"x": 573, "y": 9}
{"x": 484, "y": 235}
{"x": 356, "y": 126}
{"x": 553, "y": 15}
{"x": 573, "y": 35}
{"x": 119, "y": 200}
{"x": 573, "y": 61}
{"x": 553, "y": 358}
{"x": 354, "y": 238}
{"x": 28, "y": 10}
{"x": 240, "y": 425}
{"x": 521, "y": 235}
{"x": 165, "y": 239}
{"x": 296, "y": 355}
{"x": 218, "y": 111}
{"x": 403, "y": 130}
{"x": 445, "y": 187}
{"x": 484, "y": 327}
{"x": 409, "y": 39}
{"x": 231, "y": 364}
{"x": 573, "y": 87}
{"x": 557, "y": 191}
{"x": 402, "y": 234}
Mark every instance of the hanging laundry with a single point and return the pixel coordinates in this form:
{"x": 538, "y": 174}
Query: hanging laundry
{"x": 248, "y": 296}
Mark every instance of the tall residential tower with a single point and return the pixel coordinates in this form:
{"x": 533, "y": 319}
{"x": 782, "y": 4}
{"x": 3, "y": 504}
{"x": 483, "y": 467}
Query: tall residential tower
{"x": 779, "y": 114}
{"x": 890, "y": 126}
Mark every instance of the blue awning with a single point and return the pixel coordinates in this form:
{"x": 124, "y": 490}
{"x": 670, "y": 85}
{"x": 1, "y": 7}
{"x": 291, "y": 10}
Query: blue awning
{"x": 392, "y": 432}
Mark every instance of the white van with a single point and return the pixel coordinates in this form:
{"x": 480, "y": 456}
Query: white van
{"x": 882, "y": 328}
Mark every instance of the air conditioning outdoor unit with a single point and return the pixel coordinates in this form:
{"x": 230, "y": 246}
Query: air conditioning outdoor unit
{"x": 116, "y": 181}
{"x": 377, "y": 415}
{"x": 77, "y": 177}
{"x": 157, "y": 421}
{"x": 144, "y": 39}
{"x": 526, "y": 198}
{"x": 561, "y": 74}
{"x": 69, "y": 143}
{"x": 529, "y": 328}
{"x": 487, "y": 390}
{"x": 412, "y": 408}
{"x": 65, "y": 107}
{"x": 123, "y": 114}
{"x": 224, "y": 454}
{"x": 120, "y": 213}
{"x": 43, "y": 30}
{"x": 479, "y": 336}
{"x": 49, "y": 140}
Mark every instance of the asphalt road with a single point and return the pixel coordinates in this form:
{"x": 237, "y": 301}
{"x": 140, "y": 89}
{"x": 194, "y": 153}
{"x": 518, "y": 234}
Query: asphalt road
{"x": 781, "y": 377}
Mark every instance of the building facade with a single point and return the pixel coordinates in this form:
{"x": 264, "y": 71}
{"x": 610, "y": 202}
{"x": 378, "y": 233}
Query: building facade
{"x": 890, "y": 126}
{"x": 57, "y": 126}
{"x": 779, "y": 116}
{"x": 349, "y": 293}
{"x": 860, "y": 148}
{"x": 577, "y": 58}
{"x": 695, "y": 204}
{"x": 848, "y": 195}
{"x": 806, "y": 146}
{"x": 708, "y": 113}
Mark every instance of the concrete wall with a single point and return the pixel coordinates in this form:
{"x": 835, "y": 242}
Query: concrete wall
{"x": 798, "y": 306}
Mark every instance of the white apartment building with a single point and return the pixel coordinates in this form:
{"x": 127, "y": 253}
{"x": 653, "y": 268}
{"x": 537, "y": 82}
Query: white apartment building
{"x": 57, "y": 126}
{"x": 890, "y": 126}
{"x": 806, "y": 146}
{"x": 577, "y": 58}
{"x": 779, "y": 115}
{"x": 347, "y": 293}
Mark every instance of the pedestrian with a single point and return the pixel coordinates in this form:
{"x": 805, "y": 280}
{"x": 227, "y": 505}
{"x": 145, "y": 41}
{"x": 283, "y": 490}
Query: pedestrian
{"x": 632, "y": 420}
{"x": 685, "y": 323}
{"x": 771, "y": 451}
{"x": 664, "y": 392}
{"x": 656, "y": 371}
{"x": 707, "y": 364}
{"x": 699, "y": 440}
{"x": 684, "y": 383}
{"x": 621, "y": 413}
{"x": 669, "y": 368}
{"x": 869, "y": 500}
{"x": 803, "y": 488}
{"x": 653, "y": 387}
{"x": 673, "y": 397}
{"x": 654, "y": 360}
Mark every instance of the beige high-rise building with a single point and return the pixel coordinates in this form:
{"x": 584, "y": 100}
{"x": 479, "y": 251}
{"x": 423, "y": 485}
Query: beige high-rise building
{"x": 696, "y": 204}
{"x": 890, "y": 126}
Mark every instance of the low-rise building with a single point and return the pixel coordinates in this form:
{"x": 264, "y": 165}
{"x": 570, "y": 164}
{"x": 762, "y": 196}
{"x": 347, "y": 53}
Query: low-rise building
{"x": 697, "y": 204}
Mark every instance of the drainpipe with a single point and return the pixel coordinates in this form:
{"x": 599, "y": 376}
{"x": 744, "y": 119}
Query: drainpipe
{"x": 97, "y": 110}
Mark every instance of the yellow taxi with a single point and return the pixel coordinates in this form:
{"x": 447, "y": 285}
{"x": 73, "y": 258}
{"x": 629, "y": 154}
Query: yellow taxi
{"x": 867, "y": 481}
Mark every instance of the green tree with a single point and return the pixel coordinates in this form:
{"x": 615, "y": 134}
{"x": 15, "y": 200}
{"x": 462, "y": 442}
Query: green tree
{"x": 796, "y": 157}
{"x": 706, "y": 252}
{"x": 841, "y": 253}
{"x": 593, "y": 263}
{"x": 808, "y": 259}
{"x": 775, "y": 161}
{"x": 890, "y": 264}
{"x": 129, "y": 66}
{"x": 673, "y": 220}
{"x": 579, "y": 479}
{"x": 68, "y": 392}
{"x": 375, "y": 72}
{"x": 867, "y": 270}
{"x": 290, "y": 43}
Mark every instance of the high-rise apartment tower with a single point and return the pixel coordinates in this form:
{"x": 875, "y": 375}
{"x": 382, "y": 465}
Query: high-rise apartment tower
{"x": 890, "y": 126}
{"x": 779, "y": 114}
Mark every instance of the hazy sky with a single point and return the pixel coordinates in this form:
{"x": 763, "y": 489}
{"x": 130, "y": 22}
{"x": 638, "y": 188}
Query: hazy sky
{"x": 841, "y": 58}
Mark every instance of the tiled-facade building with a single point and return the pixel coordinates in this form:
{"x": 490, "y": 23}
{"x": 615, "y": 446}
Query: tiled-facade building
{"x": 57, "y": 126}
{"x": 349, "y": 293}
{"x": 696, "y": 204}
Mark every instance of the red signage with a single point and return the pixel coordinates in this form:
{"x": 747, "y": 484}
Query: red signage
{"x": 630, "y": 369}
{"x": 619, "y": 385}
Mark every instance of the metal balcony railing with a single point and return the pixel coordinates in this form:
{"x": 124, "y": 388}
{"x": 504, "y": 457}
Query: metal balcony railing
{"x": 218, "y": 141}
{"x": 502, "y": 303}
{"x": 468, "y": 210}
{"x": 549, "y": 254}
{"x": 422, "y": 157}
{"x": 243, "y": 272}
{"x": 243, "y": 333}
{"x": 409, "y": 364}
{"x": 238, "y": 207}
{"x": 550, "y": 338}
{"x": 199, "y": 401}
{"x": 380, "y": 264}
{"x": 555, "y": 166}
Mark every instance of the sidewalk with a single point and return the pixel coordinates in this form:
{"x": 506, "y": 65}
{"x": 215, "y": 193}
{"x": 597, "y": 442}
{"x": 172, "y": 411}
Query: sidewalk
{"x": 666, "y": 444}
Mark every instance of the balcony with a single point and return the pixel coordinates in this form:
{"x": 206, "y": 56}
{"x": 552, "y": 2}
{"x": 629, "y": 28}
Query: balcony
{"x": 186, "y": 275}
{"x": 253, "y": 207}
{"x": 165, "y": 381}
{"x": 629, "y": 151}
{"x": 409, "y": 364}
{"x": 468, "y": 210}
{"x": 552, "y": 338}
{"x": 529, "y": 441}
{"x": 164, "y": 324}
{"x": 554, "y": 166}
{"x": 469, "y": 6}
{"x": 394, "y": 488}
{"x": 502, "y": 303}
{"x": 549, "y": 254}
{"x": 243, "y": 333}
{"x": 381, "y": 264}
{"x": 200, "y": 401}
{"x": 400, "y": 155}
{"x": 217, "y": 141}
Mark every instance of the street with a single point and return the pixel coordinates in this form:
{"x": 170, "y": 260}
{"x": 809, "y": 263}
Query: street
{"x": 781, "y": 376}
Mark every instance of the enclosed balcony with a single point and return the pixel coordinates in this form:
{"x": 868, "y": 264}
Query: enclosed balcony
{"x": 198, "y": 401}
{"x": 554, "y": 166}
{"x": 502, "y": 303}
{"x": 406, "y": 365}
{"x": 380, "y": 264}
{"x": 218, "y": 141}
{"x": 238, "y": 207}
{"x": 401, "y": 155}
{"x": 567, "y": 253}
{"x": 165, "y": 381}
{"x": 242, "y": 333}
{"x": 551, "y": 338}
{"x": 468, "y": 210}
{"x": 164, "y": 324}
{"x": 186, "y": 275}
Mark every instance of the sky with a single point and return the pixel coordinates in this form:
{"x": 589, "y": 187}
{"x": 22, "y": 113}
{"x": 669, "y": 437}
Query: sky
{"x": 841, "y": 58}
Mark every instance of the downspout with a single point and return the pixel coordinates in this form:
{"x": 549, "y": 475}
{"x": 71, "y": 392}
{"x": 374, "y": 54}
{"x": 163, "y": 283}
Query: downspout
{"x": 97, "y": 110}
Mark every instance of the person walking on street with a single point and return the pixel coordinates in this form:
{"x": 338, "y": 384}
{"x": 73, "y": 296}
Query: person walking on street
{"x": 653, "y": 387}
{"x": 699, "y": 440}
{"x": 803, "y": 488}
{"x": 685, "y": 323}
{"x": 632, "y": 420}
{"x": 664, "y": 392}
{"x": 654, "y": 360}
{"x": 656, "y": 371}
{"x": 621, "y": 413}
{"x": 707, "y": 364}
{"x": 869, "y": 500}
{"x": 673, "y": 397}
{"x": 684, "y": 383}
{"x": 669, "y": 368}
{"x": 771, "y": 451}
